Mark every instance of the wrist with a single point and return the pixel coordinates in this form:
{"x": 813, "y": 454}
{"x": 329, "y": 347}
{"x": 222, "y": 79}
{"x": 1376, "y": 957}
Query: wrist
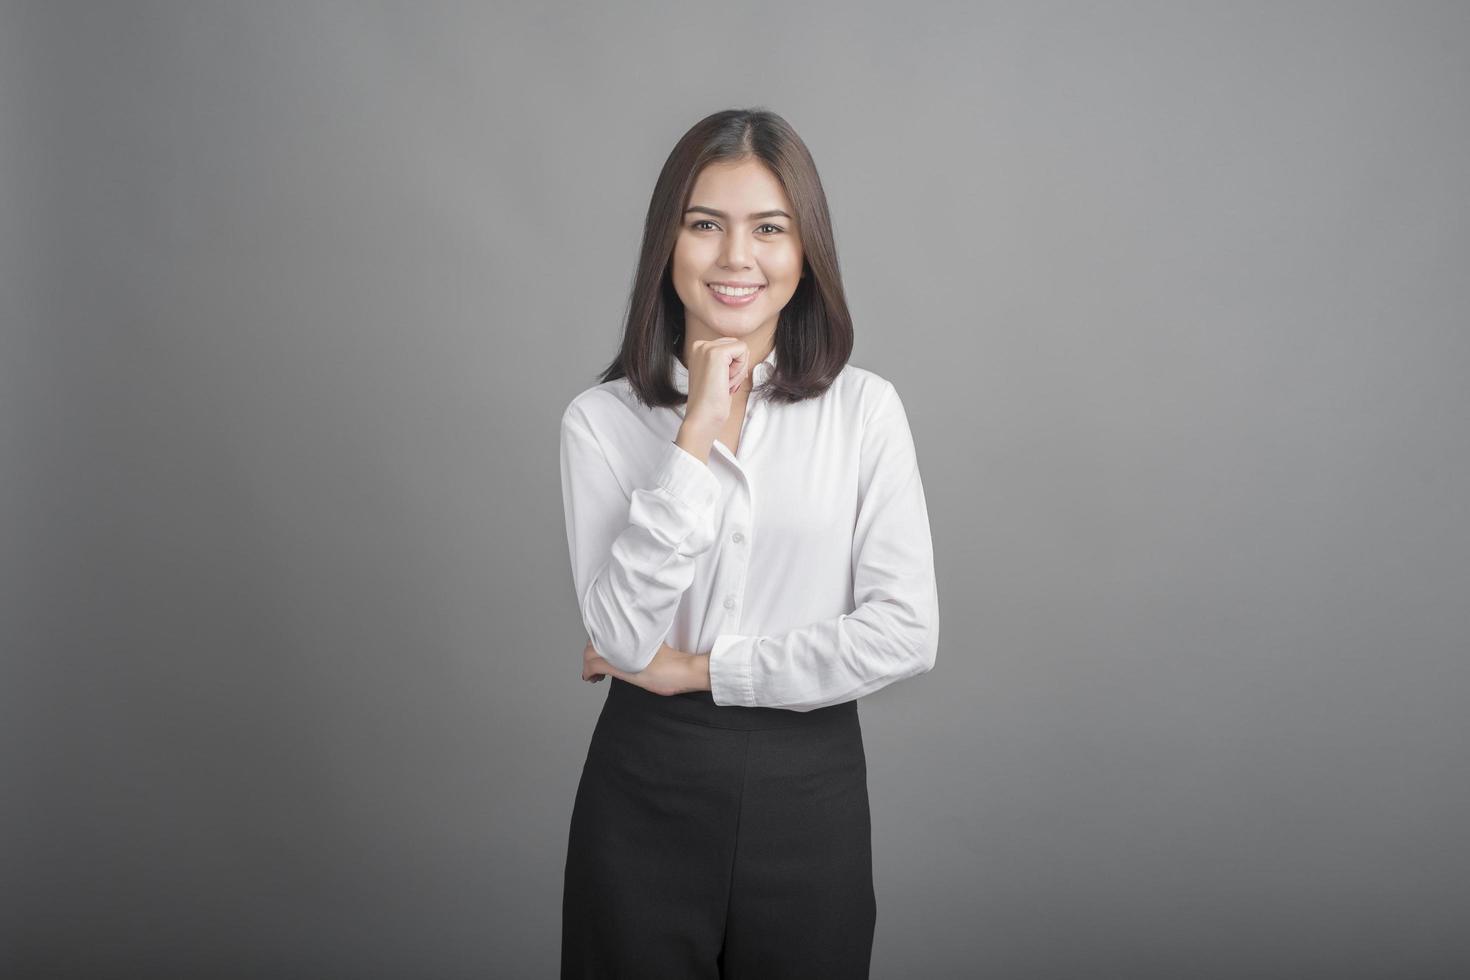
{"x": 699, "y": 423}
{"x": 699, "y": 672}
{"x": 696, "y": 438}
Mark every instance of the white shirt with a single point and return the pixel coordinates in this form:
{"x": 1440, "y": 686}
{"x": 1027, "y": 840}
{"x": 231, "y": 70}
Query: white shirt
{"x": 803, "y": 565}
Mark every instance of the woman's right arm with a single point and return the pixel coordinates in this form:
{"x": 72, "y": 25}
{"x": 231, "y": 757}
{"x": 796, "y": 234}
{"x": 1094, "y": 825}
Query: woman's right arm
{"x": 633, "y": 554}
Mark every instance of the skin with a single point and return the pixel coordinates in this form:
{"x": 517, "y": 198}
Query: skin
{"x": 721, "y": 342}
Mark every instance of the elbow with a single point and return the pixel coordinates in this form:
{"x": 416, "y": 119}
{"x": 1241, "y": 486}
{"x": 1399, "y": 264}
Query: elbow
{"x": 917, "y": 653}
{"x": 612, "y": 654}
{"x": 921, "y": 625}
{"x": 618, "y": 637}
{"x": 916, "y": 628}
{"x": 635, "y": 658}
{"x": 623, "y": 649}
{"x": 928, "y": 648}
{"x": 627, "y": 655}
{"x": 931, "y": 647}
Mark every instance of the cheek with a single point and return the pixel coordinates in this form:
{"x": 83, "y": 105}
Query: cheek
{"x": 786, "y": 264}
{"x": 686, "y": 271}
{"x": 689, "y": 262}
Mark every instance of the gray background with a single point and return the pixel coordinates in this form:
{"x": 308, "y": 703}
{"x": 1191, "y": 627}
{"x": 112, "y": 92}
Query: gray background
{"x": 293, "y": 296}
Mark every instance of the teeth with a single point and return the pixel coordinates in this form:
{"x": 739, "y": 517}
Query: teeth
{"x": 730, "y": 291}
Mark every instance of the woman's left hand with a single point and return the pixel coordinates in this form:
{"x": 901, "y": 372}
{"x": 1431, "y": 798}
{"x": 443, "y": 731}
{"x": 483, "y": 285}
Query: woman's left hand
{"x": 669, "y": 672}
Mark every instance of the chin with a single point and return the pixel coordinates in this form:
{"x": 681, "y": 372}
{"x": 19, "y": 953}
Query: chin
{"x": 736, "y": 326}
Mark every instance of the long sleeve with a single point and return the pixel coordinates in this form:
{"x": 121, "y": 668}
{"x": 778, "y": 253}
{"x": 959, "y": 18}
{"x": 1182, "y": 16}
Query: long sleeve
{"x": 633, "y": 553}
{"x": 893, "y": 631}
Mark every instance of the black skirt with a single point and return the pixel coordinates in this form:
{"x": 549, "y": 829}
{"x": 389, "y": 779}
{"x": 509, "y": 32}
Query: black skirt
{"x": 719, "y": 841}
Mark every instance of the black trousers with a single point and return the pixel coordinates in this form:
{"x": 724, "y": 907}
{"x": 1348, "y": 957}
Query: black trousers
{"x": 714, "y": 841}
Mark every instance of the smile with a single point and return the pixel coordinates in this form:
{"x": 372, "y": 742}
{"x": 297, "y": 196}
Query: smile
{"x": 732, "y": 296}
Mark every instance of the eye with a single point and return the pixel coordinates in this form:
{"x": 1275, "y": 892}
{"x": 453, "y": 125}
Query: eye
{"x": 772, "y": 227}
{"x": 701, "y": 221}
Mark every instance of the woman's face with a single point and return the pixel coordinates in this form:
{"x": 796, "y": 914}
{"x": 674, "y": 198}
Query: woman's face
{"x": 739, "y": 228}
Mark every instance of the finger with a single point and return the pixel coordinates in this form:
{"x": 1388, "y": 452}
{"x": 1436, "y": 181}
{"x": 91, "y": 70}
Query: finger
{"x": 737, "y": 363}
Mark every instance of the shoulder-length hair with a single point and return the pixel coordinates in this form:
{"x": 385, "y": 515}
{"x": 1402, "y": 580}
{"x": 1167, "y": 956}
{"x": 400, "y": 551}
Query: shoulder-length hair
{"x": 814, "y": 330}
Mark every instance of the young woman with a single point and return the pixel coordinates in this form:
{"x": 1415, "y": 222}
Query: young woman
{"x": 751, "y": 554}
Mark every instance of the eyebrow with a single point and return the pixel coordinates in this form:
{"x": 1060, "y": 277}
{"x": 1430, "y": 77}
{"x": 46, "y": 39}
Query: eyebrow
{"x": 753, "y": 217}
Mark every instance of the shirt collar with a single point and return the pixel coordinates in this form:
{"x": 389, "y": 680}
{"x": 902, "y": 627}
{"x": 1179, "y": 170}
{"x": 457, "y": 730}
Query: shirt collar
{"x": 759, "y": 374}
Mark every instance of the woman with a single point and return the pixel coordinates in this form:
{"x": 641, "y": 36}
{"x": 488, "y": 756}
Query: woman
{"x": 751, "y": 554}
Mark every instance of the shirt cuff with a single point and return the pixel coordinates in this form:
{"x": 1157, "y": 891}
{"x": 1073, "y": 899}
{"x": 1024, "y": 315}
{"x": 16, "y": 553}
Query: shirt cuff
{"x": 682, "y": 474}
{"x": 730, "y": 679}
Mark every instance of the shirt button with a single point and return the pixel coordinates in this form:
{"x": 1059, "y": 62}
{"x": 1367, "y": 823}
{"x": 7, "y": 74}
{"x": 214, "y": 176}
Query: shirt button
{"x": 729, "y": 602}
{"x": 737, "y": 537}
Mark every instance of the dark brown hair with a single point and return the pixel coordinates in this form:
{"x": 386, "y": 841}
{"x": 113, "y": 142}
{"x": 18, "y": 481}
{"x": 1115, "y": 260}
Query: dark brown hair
{"x": 814, "y": 331}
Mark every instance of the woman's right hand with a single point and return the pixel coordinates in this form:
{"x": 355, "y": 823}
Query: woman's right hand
{"x": 717, "y": 369}
{"x": 591, "y": 660}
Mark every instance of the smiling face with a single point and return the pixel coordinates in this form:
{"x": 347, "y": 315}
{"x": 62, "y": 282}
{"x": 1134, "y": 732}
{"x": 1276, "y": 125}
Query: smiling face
{"x": 739, "y": 228}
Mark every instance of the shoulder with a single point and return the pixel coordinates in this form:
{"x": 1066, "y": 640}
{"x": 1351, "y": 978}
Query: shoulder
{"x": 594, "y": 407}
{"x": 862, "y": 379}
{"x": 608, "y": 420}
{"x": 864, "y": 390}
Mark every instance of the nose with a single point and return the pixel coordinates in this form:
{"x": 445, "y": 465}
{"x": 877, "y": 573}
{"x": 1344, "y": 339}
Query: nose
{"x": 735, "y": 254}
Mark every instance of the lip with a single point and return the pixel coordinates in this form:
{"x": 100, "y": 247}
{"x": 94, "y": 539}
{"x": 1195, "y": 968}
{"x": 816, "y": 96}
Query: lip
{"x": 736, "y": 300}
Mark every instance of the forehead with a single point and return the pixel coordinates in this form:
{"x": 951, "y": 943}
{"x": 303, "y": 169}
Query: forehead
{"x": 748, "y": 185}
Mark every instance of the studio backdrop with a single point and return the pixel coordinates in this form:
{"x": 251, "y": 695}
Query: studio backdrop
{"x": 292, "y": 296}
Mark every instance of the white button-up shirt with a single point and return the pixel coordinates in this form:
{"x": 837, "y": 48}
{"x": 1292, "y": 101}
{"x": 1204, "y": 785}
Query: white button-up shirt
{"x": 801, "y": 562}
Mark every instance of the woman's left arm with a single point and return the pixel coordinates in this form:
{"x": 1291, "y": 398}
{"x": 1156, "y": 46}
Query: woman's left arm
{"x": 892, "y": 634}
